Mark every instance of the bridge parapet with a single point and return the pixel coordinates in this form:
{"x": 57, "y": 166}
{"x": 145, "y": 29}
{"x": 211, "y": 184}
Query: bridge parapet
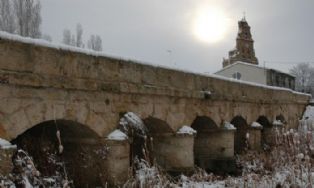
{"x": 24, "y": 64}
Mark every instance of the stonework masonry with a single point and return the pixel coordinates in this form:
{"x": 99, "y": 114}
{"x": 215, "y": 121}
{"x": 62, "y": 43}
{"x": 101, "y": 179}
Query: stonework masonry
{"x": 39, "y": 83}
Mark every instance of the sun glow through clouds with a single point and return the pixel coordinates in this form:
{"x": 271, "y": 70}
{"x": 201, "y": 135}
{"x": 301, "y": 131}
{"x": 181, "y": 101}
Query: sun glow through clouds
{"x": 210, "y": 24}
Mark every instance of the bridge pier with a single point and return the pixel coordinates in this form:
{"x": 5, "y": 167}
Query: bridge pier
{"x": 174, "y": 152}
{"x": 6, "y": 154}
{"x": 214, "y": 146}
{"x": 117, "y": 162}
{"x": 255, "y": 138}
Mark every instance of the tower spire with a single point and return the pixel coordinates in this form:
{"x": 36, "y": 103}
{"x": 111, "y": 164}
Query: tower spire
{"x": 244, "y": 16}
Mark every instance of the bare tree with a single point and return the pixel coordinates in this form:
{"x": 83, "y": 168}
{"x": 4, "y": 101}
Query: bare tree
{"x": 95, "y": 43}
{"x": 72, "y": 39}
{"x": 73, "y": 42}
{"x": 79, "y": 35}
{"x": 7, "y": 18}
{"x": 304, "y": 77}
{"x": 66, "y": 37}
{"x": 28, "y": 17}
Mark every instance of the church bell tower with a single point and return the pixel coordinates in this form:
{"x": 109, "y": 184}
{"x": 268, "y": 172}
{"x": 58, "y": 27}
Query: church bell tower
{"x": 244, "y": 50}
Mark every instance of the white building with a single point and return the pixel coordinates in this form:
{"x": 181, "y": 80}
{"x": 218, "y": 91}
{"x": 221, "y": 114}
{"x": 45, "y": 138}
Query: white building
{"x": 254, "y": 73}
{"x": 244, "y": 71}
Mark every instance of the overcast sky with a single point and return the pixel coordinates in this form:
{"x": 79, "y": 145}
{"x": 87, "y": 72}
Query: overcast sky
{"x": 161, "y": 31}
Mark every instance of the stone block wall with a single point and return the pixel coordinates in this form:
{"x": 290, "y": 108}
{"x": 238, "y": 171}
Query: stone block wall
{"x": 212, "y": 146}
{"x": 117, "y": 162}
{"x": 174, "y": 152}
{"x": 216, "y": 144}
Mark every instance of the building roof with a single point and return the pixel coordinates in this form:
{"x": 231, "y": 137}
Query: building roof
{"x": 253, "y": 65}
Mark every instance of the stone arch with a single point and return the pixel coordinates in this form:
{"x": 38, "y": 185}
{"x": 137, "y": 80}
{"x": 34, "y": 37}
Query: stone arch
{"x": 157, "y": 126}
{"x": 157, "y": 129}
{"x": 204, "y": 123}
{"x": 172, "y": 150}
{"x": 240, "y": 135}
{"x": 34, "y": 114}
{"x": 203, "y": 148}
{"x": 267, "y": 131}
{"x": 263, "y": 120}
{"x": 79, "y": 154}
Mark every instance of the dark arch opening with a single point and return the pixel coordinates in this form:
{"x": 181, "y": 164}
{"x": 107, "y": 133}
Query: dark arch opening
{"x": 157, "y": 126}
{"x": 240, "y": 135}
{"x": 162, "y": 135}
{"x": 266, "y": 131}
{"x": 156, "y": 129}
{"x": 203, "y": 154}
{"x": 264, "y": 122}
{"x": 79, "y": 156}
{"x": 203, "y": 123}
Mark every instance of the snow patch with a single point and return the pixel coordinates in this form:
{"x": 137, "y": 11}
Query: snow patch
{"x": 130, "y": 119}
{"x": 256, "y": 125}
{"x": 229, "y": 126}
{"x": 277, "y": 123}
{"x": 309, "y": 113}
{"x": 4, "y": 144}
{"x": 186, "y": 130}
{"x": 117, "y": 135}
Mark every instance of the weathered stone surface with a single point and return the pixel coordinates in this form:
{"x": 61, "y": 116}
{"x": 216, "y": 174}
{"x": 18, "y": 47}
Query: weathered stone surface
{"x": 174, "y": 152}
{"x": 255, "y": 138}
{"x": 44, "y": 83}
{"x": 6, "y": 166}
{"x": 39, "y": 84}
{"x": 117, "y": 162}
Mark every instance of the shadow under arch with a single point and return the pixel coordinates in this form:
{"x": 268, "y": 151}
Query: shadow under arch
{"x": 156, "y": 129}
{"x": 240, "y": 135}
{"x": 266, "y": 136}
{"x": 203, "y": 148}
{"x": 79, "y": 155}
{"x": 157, "y": 126}
{"x": 172, "y": 151}
{"x": 203, "y": 123}
{"x": 263, "y": 120}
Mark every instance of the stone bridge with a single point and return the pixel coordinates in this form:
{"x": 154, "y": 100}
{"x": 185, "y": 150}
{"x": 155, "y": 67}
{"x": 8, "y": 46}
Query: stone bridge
{"x": 43, "y": 84}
